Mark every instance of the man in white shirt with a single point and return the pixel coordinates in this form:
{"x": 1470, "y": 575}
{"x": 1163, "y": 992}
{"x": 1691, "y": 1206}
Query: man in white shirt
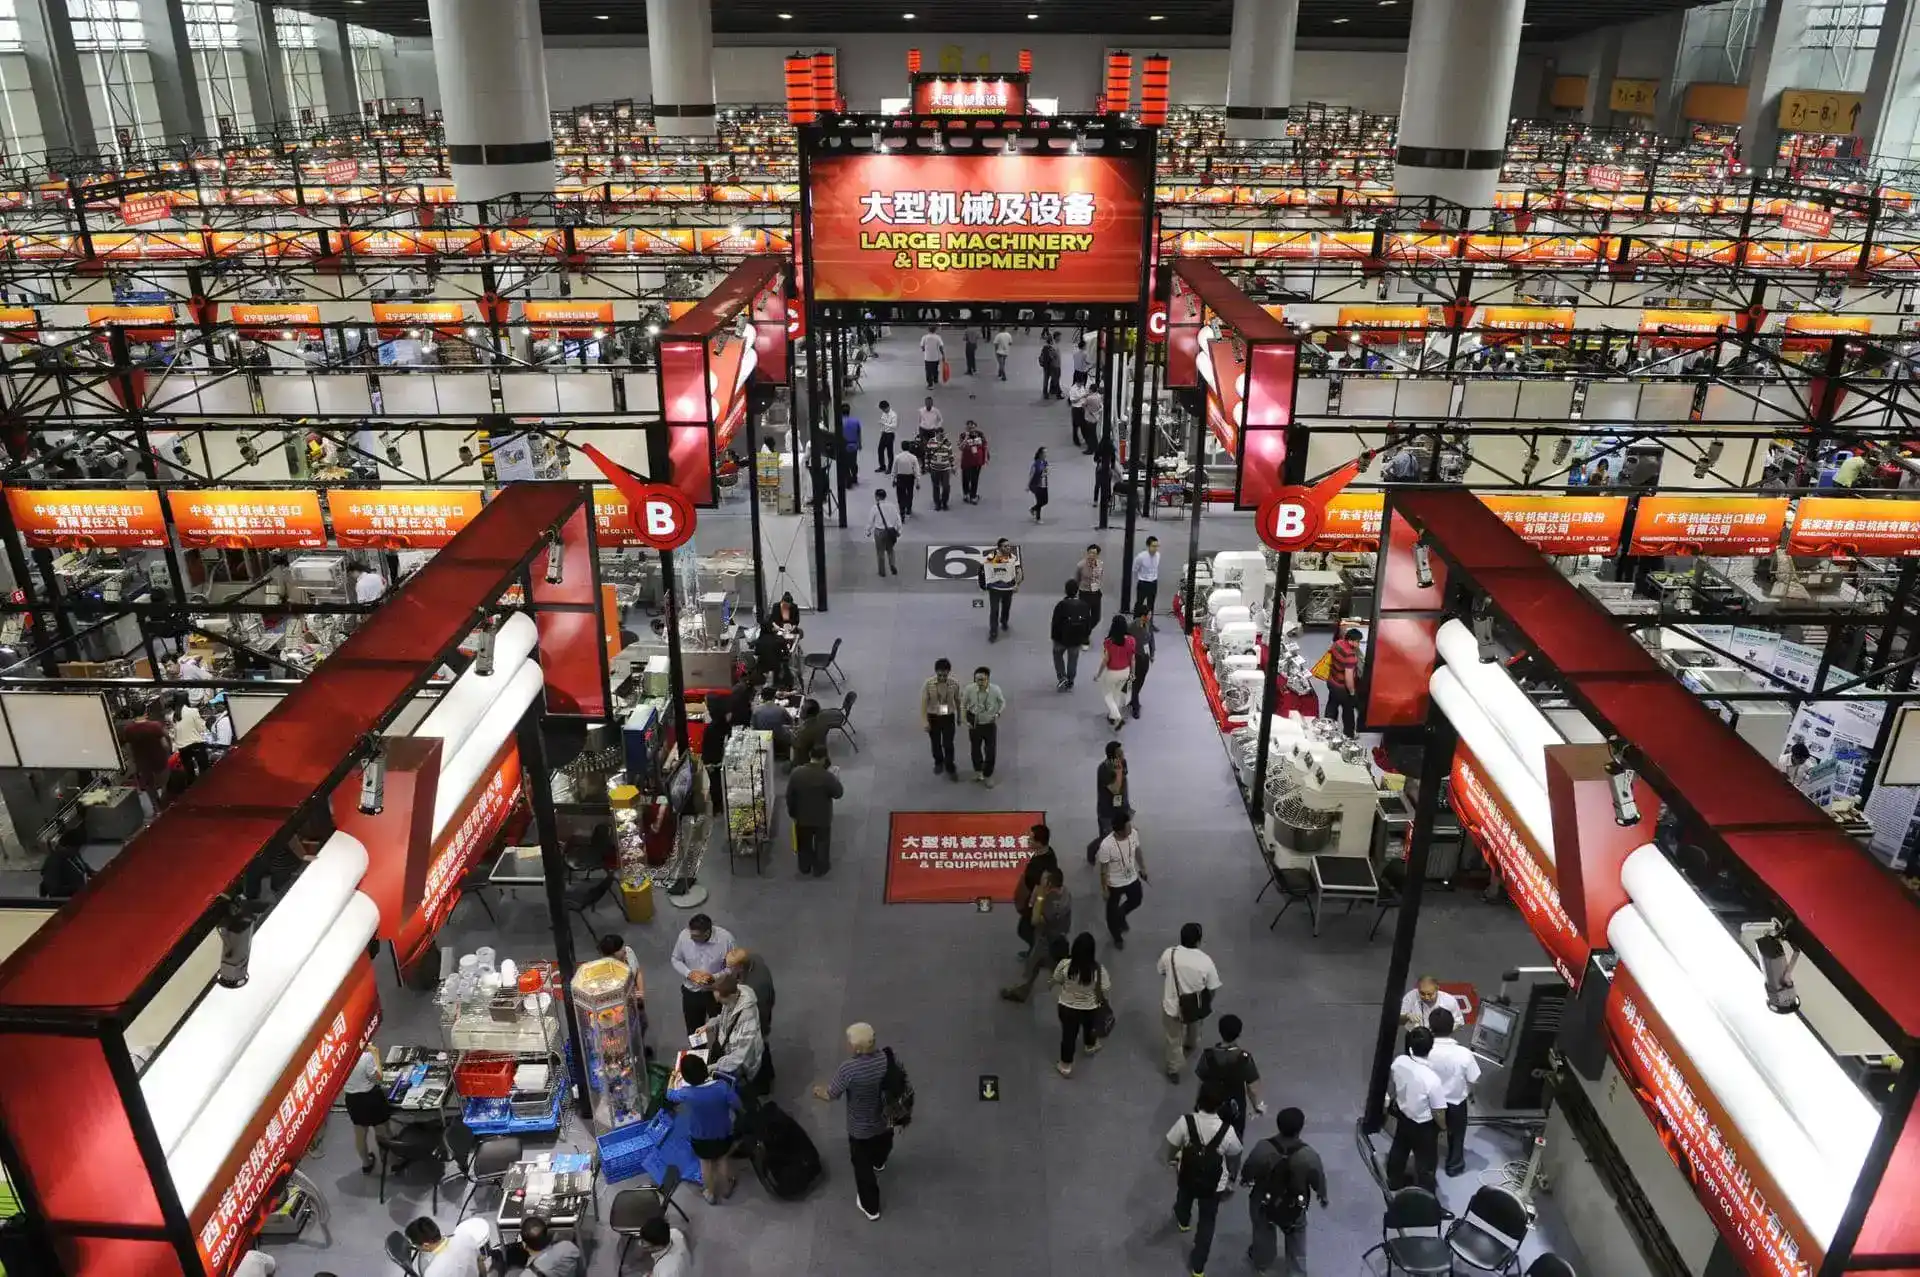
{"x": 885, "y": 531}
{"x": 461, "y": 1255}
{"x": 906, "y": 477}
{"x": 1082, "y": 361}
{"x": 668, "y": 1246}
{"x": 367, "y": 585}
{"x": 1002, "y": 347}
{"x": 1417, "y": 1100}
{"x": 931, "y": 422}
{"x": 1205, "y": 1128}
{"x": 1146, "y": 576}
{"x": 1423, "y": 999}
{"x": 1122, "y": 868}
{"x": 1184, "y": 970}
{"x": 933, "y": 352}
{"x": 1457, "y": 1070}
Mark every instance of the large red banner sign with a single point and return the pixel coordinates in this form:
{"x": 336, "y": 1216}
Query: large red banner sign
{"x": 1523, "y": 867}
{"x": 1848, "y": 525}
{"x": 956, "y": 857}
{"x": 1056, "y": 229}
{"x": 466, "y": 837}
{"x": 970, "y": 95}
{"x": 1708, "y": 525}
{"x": 1703, "y": 1142}
{"x": 80, "y": 519}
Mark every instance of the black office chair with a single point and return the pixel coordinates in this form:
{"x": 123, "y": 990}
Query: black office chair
{"x": 1392, "y": 877}
{"x": 582, "y": 896}
{"x": 476, "y": 884}
{"x": 1488, "y": 1235}
{"x": 410, "y": 1143}
{"x": 841, "y": 719}
{"x": 1294, "y": 884}
{"x": 478, "y": 1161}
{"x": 1410, "y": 1235}
{"x": 1550, "y": 1266}
{"x": 633, "y": 1207}
{"x": 400, "y": 1251}
{"x": 827, "y": 663}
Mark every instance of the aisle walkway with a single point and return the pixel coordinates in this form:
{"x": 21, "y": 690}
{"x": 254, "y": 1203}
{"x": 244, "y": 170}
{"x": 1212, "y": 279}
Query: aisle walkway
{"x": 1059, "y": 1177}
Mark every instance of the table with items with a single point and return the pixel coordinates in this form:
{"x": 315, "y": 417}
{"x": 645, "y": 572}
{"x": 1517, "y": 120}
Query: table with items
{"x": 418, "y": 1079}
{"x": 557, "y": 1186}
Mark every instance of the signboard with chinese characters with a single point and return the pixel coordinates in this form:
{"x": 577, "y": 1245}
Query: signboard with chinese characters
{"x": 1563, "y": 525}
{"x": 1635, "y": 97}
{"x": 145, "y": 208}
{"x": 1524, "y": 870}
{"x": 969, "y": 95}
{"x": 1750, "y": 1212}
{"x": 1819, "y": 111}
{"x": 976, "y": 228}
{"x": 82, "y": 519}
{"x": 956, "y": 857}
{"x": 1605, "y": 177}
{"x": 1846, "y": 525}
{"x": 340, "y": 172}
{"x": 1807, "y": 219}
{"x": 1351, "y": 523}
{"x": 471, "y": 832}
{"x": 1708, "y": 525}
{"x": 400, "y": 518}
{"x": 287, "y": 1123}
{"x": 613, "y": 518}
{"x": 232, "y": 519}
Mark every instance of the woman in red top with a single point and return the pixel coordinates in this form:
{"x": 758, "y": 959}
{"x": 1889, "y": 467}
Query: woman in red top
{"x": 1116, "y": 667}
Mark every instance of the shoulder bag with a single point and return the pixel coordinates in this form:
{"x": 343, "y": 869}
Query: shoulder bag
{"x": 1195, "y": 1006}
{"x": 1103, "y": 1018}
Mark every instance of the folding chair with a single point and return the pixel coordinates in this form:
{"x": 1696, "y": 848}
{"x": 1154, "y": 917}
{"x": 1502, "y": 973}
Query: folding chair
{"x": 827, "y": 663}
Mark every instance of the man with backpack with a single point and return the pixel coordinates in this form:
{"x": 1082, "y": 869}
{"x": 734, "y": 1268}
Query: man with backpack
{"x": 1285, "y": 1174}
{"x": 1229, "y": 1068}
{"x": 878, "y": 1099}
{"x": 1200, "y": 1144}
{"x": 1072, "y": 627}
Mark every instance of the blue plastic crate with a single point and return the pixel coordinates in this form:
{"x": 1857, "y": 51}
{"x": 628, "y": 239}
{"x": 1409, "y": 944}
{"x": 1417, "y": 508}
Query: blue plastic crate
{"x": 626, "y": 1150}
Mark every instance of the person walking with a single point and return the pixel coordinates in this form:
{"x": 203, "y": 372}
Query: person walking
{"x": 889, "y": 425}
{"x": 812, "y": 788}
{"x": 710, "y": 1102}
{"x": 1082, "y": 361}
{"x": 885, "y": 533}
{"x": 940, "y": 716}
{"x": 933, "y": 353}
{"x": 1072, "y": 624}
{"x": 937, "y": 458}
{"x": 931, "y": 420}
{"x": 699, "y": 954}
{"x": 1229, "y": 1068}
{"x": 1104, "y": 465}
{"x": 1116, "y": 670}
{"x": 1001, "y": 575}
{"x": 1110, "y": 796}
{"x": 850, "y": 445}
{"x": 1343, "y": 673}
{"x": 1087, "y": 413}
{"x": 1040, "y": 840}
{"x": 1123, "y": 873}
{"x": 1145, "y": 649}
{"x": 974, "y": 455}
{"x": 906, "y": 477}
{"x": 1188, "y": 982}
{"x": 1200, "y": 1145}
{"x": 983, "y": 703}
{"x": 860, "y": 1080}
{"x": 971, "y": 344}
{"x": 1458, "y": 1070}
{"x": 1050, "y": 370}
{"x": 1037, "y": 483}
{"x": 1084, "y": 988}
{"x": 1050, "y": 914}
{"x": 1418, "y": 1098}
{"x": 1146, "y": 577}
{"x": 1002, "y": 347}
{"x": 812, "y": 732}
{"x": 1091, "y": 573}
{"x": 1285, "y": 1174}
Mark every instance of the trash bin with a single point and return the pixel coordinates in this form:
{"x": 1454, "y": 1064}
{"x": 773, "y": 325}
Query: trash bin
{"x": 636, "y": 900}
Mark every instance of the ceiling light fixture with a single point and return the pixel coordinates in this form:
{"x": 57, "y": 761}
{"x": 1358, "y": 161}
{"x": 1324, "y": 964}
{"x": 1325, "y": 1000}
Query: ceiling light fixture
{"x": 907, "y": 16}
{"x": 785, "y": 17}
{"x": 604, "y": 17}
{"x": 1156, "y": 17}
{"x": 1338, "y": 21}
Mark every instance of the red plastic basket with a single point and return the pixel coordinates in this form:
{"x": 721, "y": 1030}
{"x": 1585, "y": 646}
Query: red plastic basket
{"x": 485, "y": 1075}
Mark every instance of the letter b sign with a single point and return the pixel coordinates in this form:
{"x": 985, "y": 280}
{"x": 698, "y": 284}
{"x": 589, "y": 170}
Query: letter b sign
{"x": 665, "y": 517}
{"x": 1290, "y": 520}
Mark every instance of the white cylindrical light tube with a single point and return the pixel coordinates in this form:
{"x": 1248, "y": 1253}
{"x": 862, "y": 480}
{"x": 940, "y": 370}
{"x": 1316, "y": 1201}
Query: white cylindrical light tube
{"x": 1504, "y": 771}
{"x": 1811, "y": 1183}
{"x": 1802, "y": 1073}
{"x": 195, "y": 1061}
{"x": 467, "y": 768}
{"x": 465, "y": 703}
{"x": 228, "y": 1114}
{"x": 1525, "y": 728}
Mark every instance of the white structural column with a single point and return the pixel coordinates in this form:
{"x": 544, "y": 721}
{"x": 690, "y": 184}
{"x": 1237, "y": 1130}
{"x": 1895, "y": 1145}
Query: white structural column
{"x": 1260, "y": 67}
{"x": 680, "y": 56}
{"x": 489, "y": 59}
{"x": 1777, "y": 63}
{"x": 1890, "y": 113}
{"x": 334, "y": 48}
{"x": 260, "y": 60}
{"x": 1461, "y": 58}
{"x": 53, "y": 71}
{"x": 170, "y": 58}
{"x": 1598, "y": 108}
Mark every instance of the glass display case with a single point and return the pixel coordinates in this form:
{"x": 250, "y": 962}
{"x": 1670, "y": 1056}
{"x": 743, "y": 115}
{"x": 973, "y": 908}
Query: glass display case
{"x": 603, "y": 996}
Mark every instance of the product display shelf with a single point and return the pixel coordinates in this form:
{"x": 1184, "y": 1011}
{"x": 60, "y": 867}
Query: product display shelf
{"x": 485, "y": 1027}
{"x": 610, "y": 1038}
{"x": 748, "y": 777}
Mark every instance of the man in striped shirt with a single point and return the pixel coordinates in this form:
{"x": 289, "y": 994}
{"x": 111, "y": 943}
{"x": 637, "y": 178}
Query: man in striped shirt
{"x": 1343, "y": 679}
{"x": 869, "y": 1135}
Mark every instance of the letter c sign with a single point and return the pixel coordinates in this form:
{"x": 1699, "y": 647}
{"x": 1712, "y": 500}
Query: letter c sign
{"x": 1290, "y": 519}
{"x": 663, "y": 517}
{"x": 1157, "y": 322}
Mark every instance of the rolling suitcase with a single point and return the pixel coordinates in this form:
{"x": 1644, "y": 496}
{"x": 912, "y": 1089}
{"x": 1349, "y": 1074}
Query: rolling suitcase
{"x": 784, "y": 1156}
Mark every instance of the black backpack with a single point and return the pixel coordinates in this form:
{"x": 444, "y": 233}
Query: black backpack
{"x": 783, "y": 1155}
{"x": 1201, "y": 1165}
{"x": 896, "y": 1093}
{"x": 1284, "y": 1203}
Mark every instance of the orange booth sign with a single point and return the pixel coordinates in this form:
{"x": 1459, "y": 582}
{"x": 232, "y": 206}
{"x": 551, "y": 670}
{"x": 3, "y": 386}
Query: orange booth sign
{"x": 613, "y": 521}
{"x": 236, "y": 519}
{"x": 79, "y": 519}
{"x": 265, "y": 323}
{"x": 1385, "y": 323}
{"x": 569, "y": 319}
{"x": 1685, "y": 327}
{"x": 396, "y": 319}
{"x": 143, "y": 323}
{"x": 1528, "y": 319}
{"x": 19, "y": 323}
{"x": 1708, "y": 525}
{"x": 1812, "y": 332}
{"x": 1351, "y": 522}
{"x": 977, "y": 228}
{"x": 1845, "y": 525}
{"x": 400, "y": 518}
{"x": 1563, "y": 525}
